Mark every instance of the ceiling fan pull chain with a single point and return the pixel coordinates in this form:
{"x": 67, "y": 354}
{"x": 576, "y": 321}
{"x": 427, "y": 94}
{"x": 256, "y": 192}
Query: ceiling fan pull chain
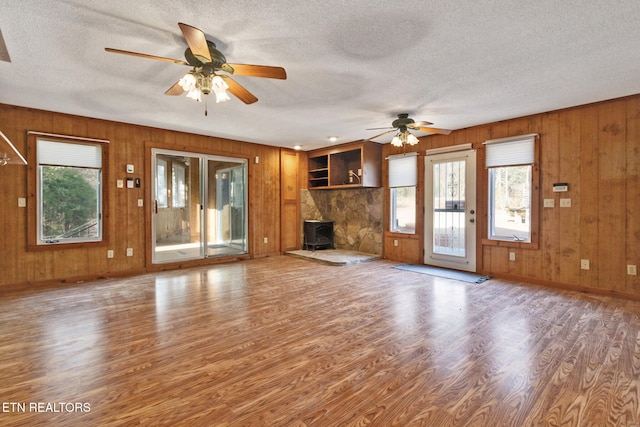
{"x": 206, "y": 113}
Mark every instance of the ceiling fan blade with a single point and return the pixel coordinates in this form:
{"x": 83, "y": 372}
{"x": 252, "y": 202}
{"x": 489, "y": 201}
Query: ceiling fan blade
{"x": 435, "y": 130}
{"x": 197, "y": 42}
{"x": 4, "y": 52}
{"x": 175, "y": 90}
{"x": 416, "y": 125}
{"x": 377, "y": 136}
{"x": 240, "y": 92}
{"x": 259, "y": 71}
{"x": 144, "y": 55}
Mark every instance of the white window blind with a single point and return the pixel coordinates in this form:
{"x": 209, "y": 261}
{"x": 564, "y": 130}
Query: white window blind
{"x": 69, "y": 154}
{"x": 510, "y": 151}
{"x": 403, "y": 170}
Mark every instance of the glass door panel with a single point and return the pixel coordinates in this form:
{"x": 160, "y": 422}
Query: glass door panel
{"x": 226, "y": 208}
{"x": 177, "y": 214}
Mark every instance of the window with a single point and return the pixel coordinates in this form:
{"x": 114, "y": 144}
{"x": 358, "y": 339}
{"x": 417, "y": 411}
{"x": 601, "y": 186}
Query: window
{"x": 178, "y": 186}
{"x": 510, "y": 169}
{"x": 161, "y": 184}
{"x": 403, "y": 176}
{"x": 68, "y": 191}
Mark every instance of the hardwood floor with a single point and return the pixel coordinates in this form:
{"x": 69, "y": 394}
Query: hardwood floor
{"x": 288, "y": 342}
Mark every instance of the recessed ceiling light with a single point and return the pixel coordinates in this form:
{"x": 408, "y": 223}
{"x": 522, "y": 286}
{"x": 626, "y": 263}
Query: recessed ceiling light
{"x": 333, "y": 138}
{"x": 297, "y": 147}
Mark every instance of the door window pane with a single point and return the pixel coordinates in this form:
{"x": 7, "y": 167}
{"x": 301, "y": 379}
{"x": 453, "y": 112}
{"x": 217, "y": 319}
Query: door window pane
{"x": 449, "y": 199}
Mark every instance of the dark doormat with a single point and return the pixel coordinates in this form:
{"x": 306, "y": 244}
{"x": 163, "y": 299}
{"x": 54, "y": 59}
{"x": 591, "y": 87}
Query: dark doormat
{"x": 443, "y": 272}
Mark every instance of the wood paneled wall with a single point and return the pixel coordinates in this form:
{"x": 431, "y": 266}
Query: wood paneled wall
{"x": 289, "y": 199}
{"x": 595, "y": 149}
{"x": 127, "y": 223}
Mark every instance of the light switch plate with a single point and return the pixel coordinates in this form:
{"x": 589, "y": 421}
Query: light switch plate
{"x": 22, "y": 202}
{"x": 565, "y": 203}
{"x": 549, "y": 203}
{"x": 120, "y": 183}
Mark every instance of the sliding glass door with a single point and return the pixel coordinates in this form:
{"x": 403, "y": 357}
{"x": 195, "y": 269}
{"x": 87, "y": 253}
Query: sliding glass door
{"x": 199, "y": 206}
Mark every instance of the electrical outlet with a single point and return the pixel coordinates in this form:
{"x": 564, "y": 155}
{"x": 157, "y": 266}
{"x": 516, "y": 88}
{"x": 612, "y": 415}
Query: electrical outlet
{"x": 584, "y": 264}
{"x": 395, "y": 242}
{"x": 631, "y": 270}
{"x": 129, "y": 251}
{"x": 120, "y": 183}
{"x": 22, "y": 202}
{"x": 110, "y": 253}
{"x": 266, "y": 240}
{"x": 512, "y": 256}
{"x": 140, "y": 203}
{"x": 549, "y": 203}
{"x": 565, "y": 203}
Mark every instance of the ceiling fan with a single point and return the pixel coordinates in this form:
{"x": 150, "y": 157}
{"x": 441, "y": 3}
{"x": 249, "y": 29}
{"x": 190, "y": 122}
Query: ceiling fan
{"x": 206, "y": 63}
{"x": 401, "y": 126}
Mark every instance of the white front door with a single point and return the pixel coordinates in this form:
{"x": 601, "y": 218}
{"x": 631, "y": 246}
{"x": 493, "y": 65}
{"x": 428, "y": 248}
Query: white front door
{"x": 450, "y": 210}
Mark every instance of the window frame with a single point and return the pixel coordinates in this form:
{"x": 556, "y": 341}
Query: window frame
{"x": 33, "y": 187}
{"x": 533, "y": 243}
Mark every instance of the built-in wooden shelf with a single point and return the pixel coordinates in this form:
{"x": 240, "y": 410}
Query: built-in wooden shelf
{"x": 356, "y": 164}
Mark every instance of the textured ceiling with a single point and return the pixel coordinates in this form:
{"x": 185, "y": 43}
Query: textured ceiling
{"x": 350, "y": 65}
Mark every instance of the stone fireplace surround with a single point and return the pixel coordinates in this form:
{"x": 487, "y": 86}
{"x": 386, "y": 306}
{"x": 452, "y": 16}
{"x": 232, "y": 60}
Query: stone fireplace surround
{"x": 357, "y": 214}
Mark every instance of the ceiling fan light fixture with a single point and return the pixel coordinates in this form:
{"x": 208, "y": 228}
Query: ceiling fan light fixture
{"x": 220, "y": 87}
{"x": 404, "y": 138}
{"x": 195, "y": 94}
{"x": 411, "y": 139}
{"x": 188, "y": 82}
{"x": 396, "y": 141}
